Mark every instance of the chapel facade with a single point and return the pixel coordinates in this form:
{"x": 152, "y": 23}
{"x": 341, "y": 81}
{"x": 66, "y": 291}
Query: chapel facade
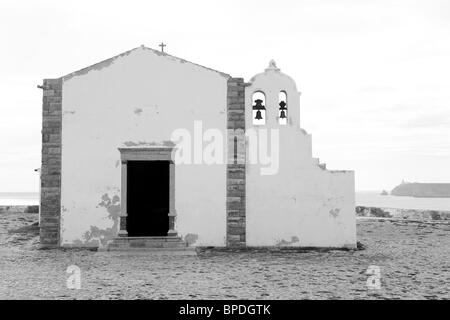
{"x": 146, "y": 148}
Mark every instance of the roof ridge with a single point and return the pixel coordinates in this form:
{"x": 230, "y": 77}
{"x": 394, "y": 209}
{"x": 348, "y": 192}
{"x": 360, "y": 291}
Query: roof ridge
{"x": 160, "y": 53}
{"x": 105, "y": 63}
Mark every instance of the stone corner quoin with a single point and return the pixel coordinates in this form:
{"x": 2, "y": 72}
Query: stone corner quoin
{"x": 51, "y": 163}
{"x": 235, "y": 199}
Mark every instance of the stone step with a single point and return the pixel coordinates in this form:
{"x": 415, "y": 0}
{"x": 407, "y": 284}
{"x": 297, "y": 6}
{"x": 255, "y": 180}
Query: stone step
{"x": 148, "y": 244}
{"x": 147, "y": 239}
{"x": 185, "y": 251}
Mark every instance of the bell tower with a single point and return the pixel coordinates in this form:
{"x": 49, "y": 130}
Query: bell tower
{"x": 273, "y": 98}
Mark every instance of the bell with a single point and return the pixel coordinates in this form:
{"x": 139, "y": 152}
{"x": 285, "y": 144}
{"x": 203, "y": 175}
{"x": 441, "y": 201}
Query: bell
{"x": 258, "y": 115}
{"x": 282, "y": 114}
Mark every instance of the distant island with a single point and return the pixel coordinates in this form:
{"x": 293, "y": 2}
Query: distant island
{"x": 422, "y": 190}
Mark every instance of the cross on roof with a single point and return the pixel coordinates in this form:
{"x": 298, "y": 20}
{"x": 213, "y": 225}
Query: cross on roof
{"x": 162, "y": 45}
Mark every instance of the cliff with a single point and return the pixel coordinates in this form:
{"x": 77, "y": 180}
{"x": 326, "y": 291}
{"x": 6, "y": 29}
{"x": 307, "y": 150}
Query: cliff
{"x": 423, "y": 190}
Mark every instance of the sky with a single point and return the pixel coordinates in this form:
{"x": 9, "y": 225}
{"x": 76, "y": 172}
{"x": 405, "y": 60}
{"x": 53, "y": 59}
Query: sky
{"x": 374, "y": 75}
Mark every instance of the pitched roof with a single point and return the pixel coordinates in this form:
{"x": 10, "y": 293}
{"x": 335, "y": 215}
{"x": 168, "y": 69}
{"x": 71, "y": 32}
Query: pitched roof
{"x": 105, "y": 63}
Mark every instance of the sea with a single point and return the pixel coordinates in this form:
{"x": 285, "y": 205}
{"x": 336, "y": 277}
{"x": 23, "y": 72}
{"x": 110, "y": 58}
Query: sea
{"x": 19, "y": 198}
{"x": 362, "y": 198}
{"x": 375, "y": 199}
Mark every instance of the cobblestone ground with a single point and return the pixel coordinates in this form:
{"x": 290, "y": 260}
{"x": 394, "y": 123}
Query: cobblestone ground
{"x": 413, "y": 258}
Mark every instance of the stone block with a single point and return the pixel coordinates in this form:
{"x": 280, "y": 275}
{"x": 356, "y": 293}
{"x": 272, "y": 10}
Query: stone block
{"x": 232, "y": 181}
{"x": 236, "y": 175}
{"x": 51, "y": 93}
{"x": 233, "y": 199}
{"x": 236, "y": 205}
{"x": 54, "y": 150}
{"x": 234, "y": 237}
{"x": 55, "y": 81}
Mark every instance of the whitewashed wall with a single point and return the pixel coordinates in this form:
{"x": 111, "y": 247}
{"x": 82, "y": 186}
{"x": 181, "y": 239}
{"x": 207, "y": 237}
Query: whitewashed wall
{"x": 137, "y": 98}
{"x": 302, "y": 204}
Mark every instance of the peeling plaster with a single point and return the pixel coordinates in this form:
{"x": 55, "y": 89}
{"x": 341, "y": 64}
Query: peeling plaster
{"x": 191, "y": 238}
{"x": 96, "y": 236}
{"x": 340, "y": 171}
{"x": 176, "y": 59}
{"x": 334, "y": 212}
{"x": 282, "y": 242}
{"x": 97, "y": 67}
{"x": 165, "y": 143}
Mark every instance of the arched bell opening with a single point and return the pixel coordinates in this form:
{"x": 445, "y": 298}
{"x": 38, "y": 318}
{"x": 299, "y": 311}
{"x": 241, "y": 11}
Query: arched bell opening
{"x": 259, "y": 108}
{"x": 282, "y": 110}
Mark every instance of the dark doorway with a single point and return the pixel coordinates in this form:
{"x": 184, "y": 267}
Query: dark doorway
{"x": 148, "y": 185}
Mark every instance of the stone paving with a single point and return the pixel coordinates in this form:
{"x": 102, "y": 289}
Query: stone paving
{"x": 413, "y": 258}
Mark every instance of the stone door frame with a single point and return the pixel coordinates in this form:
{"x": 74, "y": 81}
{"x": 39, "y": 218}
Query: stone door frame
{"x": 157, "y": 153}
